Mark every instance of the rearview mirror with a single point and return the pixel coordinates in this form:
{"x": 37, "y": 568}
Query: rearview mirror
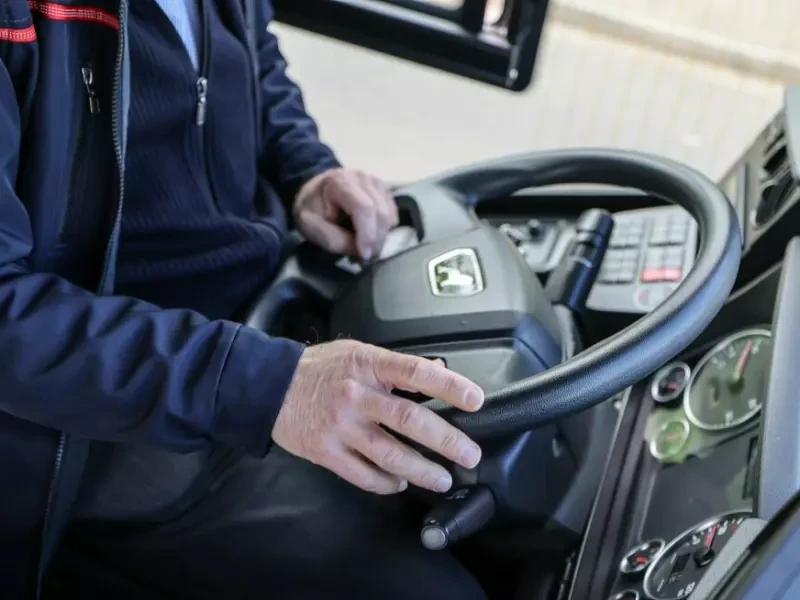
{"x": 494, "y": 41}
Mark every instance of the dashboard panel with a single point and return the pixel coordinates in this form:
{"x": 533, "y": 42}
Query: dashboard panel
{"x": 684, "y": 466}
{"x": 697, "y": 475}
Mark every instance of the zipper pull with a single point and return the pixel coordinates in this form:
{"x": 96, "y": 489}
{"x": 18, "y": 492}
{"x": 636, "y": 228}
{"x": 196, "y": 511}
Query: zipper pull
{"x": 202, "y": 101}
{"x": 88, "y": 82}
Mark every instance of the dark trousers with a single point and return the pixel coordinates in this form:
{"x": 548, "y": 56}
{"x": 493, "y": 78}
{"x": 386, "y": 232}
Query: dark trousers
{"x": 271, "y": 529}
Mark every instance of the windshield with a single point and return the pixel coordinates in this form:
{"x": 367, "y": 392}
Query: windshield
{"x": 694, "y": 81}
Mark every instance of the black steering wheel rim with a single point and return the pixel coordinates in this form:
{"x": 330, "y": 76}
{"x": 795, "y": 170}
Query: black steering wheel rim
{"x": 614, "y": 364}
{"x": 444, "y": 210}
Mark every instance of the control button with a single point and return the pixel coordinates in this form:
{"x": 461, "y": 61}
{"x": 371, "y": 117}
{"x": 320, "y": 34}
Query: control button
{"x": 635, "y": 238}
{"x": 652, "y": 274}
{"x": 671, "y": 274}
{"x": 626, "y": 275}
{"x": 650, "y": 296}
{"x": 636, "y": 227}
{"x": 677, "y": 236}
{"x": 517, "y": 236}
{"x": 674, "y": 253}
{"x": 608, "y": 275}
{"x": 614, "y": 256}
{"x": 659, "y": 236}
{"x": 535, "y": 228}
{"x": 654, "y": 257}
{"x": 607, "y": 278}
{"x": 630, "y": 254}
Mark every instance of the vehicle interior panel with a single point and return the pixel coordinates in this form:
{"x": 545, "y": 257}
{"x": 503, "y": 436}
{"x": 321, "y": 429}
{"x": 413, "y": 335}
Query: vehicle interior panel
{"x": 605, "y": 492}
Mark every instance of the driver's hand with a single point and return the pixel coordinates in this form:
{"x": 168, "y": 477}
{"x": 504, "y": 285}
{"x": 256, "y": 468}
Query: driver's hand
{"x": 364, "y": 199}
{"x": 340, "y": 400}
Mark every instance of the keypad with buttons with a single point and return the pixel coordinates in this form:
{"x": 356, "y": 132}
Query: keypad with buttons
{"x": 649, "y": 254}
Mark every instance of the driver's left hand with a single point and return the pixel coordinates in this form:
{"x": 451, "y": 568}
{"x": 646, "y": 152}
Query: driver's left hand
{"x": 365, "y": 199}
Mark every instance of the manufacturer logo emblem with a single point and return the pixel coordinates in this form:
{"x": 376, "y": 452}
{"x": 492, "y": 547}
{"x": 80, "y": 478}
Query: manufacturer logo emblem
{"x": 456, "y": 273}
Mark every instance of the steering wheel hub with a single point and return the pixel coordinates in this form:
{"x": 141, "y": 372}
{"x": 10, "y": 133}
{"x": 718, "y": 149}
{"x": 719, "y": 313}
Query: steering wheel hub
{"x": 448, "y": 294}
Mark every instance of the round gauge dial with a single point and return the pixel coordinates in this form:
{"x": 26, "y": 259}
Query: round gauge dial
{"x": 669, "y": 383}
{"x": 639, "y": 557}
{"x": 675, "y": 573}
{"x": 670, "y": 439}
{"x": 728, "y": 382}
{"x": 626, "y": 595}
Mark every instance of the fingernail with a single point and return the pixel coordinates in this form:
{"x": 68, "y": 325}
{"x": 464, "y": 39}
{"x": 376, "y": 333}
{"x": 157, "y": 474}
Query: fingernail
{"x": 474, "y": 399}
{"x": 403, "y": 486}
{"x": 365, "y": 252}
{"x": 443, "y": 483}
{"x": 471, "y": 456}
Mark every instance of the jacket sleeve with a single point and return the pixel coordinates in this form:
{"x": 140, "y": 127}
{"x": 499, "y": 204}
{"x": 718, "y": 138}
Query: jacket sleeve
{"x": 118, "y": 369}
{"x": 291, "y": 150}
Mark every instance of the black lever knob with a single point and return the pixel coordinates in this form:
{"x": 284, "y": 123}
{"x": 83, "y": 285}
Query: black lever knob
{"x": 571, "y": 281}
{"x": 458, "y": 516}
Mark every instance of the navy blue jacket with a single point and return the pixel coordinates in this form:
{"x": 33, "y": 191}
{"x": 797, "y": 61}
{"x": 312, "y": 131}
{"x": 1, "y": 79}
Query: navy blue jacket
{"x": 77, "y": 362}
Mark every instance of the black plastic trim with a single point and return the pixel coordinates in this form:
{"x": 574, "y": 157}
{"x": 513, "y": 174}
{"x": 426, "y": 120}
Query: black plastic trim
{"x": 779, "y": 473}
{"x": 431, "y": 37}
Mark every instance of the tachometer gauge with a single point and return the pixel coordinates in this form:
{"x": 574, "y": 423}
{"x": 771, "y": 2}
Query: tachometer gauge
{"x": 675, "y": 573}
{"x": 639, "y": 557}
{"x": 669, "y": 383}
{"x": 728, "y": 383}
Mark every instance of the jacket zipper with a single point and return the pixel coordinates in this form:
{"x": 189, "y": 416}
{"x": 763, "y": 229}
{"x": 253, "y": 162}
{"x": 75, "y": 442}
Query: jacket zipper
{"x": 201, "y": 110}
{"x": 202, "y": 104}
{"x": 104, "y": 287}
{"x": 84, "y": 123}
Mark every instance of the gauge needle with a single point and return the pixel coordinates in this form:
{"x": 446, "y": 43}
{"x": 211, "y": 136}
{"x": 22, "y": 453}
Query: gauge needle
{"x": 706, "y": 554}
{"x": 742, "y": 362}
{"x": 708, "y": 542}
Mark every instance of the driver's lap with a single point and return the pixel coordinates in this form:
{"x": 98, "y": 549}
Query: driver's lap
{"x": 273, "y": 528}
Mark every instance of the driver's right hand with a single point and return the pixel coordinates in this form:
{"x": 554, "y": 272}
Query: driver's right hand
{"x": 339, "y": 406}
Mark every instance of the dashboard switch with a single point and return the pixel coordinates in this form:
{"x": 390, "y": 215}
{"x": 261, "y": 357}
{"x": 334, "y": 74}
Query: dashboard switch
{"x": 653, "y": 274}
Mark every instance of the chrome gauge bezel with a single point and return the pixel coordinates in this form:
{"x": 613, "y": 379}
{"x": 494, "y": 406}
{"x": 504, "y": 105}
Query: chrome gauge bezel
{"x": 687, "y": 393}
{"x": 663, "y": 372}
{"x": 654, "y": 442}
{"x": 647, "y": 584}
{"x": 626, "y": 593}
{"x": 623, "y": 564}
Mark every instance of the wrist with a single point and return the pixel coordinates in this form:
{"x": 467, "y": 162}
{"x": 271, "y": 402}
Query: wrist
{"x": 253, "y": 384}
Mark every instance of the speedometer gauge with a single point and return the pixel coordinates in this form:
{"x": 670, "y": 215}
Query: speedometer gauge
{"x": 728, "y": 383}
{"x": 677, "y": 570}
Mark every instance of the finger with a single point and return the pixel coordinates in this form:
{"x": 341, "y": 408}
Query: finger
{"x": 326, "y": 234}
{"x": 417, "y": 374}
{"x": 354, "y": 200}
{"x": 420, "y": 424}
{"x": 392, "y": 456}
{"x": 387, "y": 202}
{"x": 361, "y": 473}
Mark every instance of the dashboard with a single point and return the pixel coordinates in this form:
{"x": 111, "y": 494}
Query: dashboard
{"x": 681, "y": 475}
{"x": 700, "y": 449}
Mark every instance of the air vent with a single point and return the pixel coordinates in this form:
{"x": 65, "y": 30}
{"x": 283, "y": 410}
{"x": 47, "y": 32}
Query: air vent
{"x": 776, "y": 180}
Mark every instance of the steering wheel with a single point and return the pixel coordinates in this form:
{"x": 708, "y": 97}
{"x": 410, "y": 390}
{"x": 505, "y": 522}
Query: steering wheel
{"x": 395, "y": 302}
{"x": 465, "y": 294}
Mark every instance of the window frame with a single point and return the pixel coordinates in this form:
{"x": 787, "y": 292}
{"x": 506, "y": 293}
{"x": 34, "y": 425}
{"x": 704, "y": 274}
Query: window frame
{"x": 454, "y": 40}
